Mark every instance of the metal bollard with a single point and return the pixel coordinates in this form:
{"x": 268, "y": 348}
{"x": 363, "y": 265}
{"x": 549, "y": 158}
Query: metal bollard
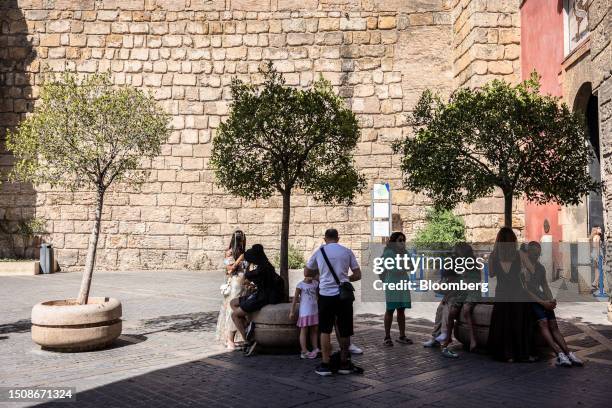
{"x": 46, "y": 258}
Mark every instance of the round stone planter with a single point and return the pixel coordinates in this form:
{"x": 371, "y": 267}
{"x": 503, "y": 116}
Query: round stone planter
{"x": 481, "y": 318}
{"x": 274, "y": 331}
{"x": 63, "y": 325}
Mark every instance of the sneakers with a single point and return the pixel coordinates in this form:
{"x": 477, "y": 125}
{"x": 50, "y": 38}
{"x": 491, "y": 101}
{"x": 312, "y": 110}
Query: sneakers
{"x": 446, "y": 352}
{"x": 250, "y": 330}
{"x": 323, "y": 370}
{"x": 563, "y": 360}
{"x": 441, "y": 337}
{"x": 250, "y": 348}
{"x": 308, "y": 354}
{"x": 345, "y": 368}
{"x": 353, "y": 349}
{"x": 574, "y": 360}
{"x": 316, "y": 351}
{"x": 431, "y": 343}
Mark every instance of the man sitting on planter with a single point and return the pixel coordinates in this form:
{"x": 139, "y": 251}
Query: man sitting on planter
{"x": 332, "y": 261}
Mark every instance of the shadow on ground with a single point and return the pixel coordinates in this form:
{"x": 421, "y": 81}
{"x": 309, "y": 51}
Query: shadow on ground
{"x": 183, "y": 323}
{"x": 20, "y": 326}
{"x": 404, "y": 375}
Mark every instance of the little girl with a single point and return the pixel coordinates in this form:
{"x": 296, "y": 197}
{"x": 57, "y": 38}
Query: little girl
{"x": 306, "y": 294}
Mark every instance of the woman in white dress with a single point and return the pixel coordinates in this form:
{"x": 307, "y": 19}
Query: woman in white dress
{"x": 234, "y": 287}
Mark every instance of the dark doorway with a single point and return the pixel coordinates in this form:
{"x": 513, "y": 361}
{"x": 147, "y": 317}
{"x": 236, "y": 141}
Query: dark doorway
{"x": 586, "y": 103}
{"x": 595, "y": 200}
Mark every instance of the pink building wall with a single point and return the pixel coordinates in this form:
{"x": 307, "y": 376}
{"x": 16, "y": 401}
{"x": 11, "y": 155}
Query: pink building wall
{"x": 542, "y": 50}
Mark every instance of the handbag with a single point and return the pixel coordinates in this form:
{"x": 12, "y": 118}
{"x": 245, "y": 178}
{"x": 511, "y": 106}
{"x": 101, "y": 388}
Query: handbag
{"x": 226, "y": 288}
{"x": 346, "y": 288}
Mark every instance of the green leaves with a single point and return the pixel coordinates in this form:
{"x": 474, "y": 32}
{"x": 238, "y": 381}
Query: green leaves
{"x": 442, "y": 230}
{"x": 87, "y": 133}
{"x": 505, "y": 136}
{"x": 278, "y": 138}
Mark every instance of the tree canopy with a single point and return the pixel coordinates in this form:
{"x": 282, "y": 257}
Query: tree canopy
{"x": 502, "y": 135}
{"x": 87, "y": 133}
{"x": 279, "y": 137}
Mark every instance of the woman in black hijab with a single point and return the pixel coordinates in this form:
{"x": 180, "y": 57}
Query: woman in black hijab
{"x": 269, "y": 290}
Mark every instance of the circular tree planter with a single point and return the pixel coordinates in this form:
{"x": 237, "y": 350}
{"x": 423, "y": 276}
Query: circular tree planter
{"x": 481, "y": 318}
{"x": 274, "y": 331}
{"x": 64, "y": 325}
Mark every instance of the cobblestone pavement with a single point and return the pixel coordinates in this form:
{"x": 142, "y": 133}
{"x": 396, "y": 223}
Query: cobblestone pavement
{"x": 167, "y": 356}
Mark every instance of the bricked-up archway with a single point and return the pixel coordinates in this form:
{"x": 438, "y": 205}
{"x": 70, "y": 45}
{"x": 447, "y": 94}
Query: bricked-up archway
{"x": 17, "y": 54}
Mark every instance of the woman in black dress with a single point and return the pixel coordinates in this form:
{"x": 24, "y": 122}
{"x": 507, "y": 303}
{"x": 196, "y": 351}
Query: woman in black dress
{"x": 511, "y": 331}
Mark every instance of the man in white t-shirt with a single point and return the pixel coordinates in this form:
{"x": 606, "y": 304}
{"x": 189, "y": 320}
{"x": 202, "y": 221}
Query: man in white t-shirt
{"x": 332, "y": 310}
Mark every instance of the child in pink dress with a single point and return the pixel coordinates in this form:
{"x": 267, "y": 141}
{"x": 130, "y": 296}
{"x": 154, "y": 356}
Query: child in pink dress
{"x": 306, "y": 294}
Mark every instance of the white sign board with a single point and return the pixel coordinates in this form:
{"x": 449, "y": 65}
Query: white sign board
{"x": 381, "y": 192}
{"x": 381, "y": 210}
{"x": 380, "y": 228}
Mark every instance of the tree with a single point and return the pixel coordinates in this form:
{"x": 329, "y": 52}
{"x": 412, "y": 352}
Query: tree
{"x": 278, "y": 138}
{"x": 442, "y": 230}
{"x": 88, "y": 134}
{"x": 503, "y": 135}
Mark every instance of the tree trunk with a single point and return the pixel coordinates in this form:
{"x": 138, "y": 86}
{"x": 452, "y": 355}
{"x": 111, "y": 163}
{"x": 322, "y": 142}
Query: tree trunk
{"x": 508, "y": 209}
{"x": 284, "y": 244}
{"x": 91, "y": 251}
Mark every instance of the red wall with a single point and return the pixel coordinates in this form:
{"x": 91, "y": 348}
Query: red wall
{"x": 542, "y": 50}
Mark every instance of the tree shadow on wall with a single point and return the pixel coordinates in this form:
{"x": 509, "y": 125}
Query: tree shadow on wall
{"x": 17, "y": 66}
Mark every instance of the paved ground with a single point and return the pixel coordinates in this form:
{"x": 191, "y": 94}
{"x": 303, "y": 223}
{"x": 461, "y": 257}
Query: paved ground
{"x": 168, "y": 357}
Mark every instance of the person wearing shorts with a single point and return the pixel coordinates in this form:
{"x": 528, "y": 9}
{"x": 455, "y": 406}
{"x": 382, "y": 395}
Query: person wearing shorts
{"x": 544, "y": 308}
{"x": 332, "y": 310}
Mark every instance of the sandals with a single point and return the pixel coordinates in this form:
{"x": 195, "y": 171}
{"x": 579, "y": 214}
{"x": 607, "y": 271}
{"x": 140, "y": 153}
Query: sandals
{"x": 404, "y": 340}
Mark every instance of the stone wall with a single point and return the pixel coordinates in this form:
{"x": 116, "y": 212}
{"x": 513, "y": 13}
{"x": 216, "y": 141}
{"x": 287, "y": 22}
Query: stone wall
{"x": 600, "y": 27}
{"x": 486, "y": 41}
{"x": 486, "y": 46}
{"x": 380, "y": 56}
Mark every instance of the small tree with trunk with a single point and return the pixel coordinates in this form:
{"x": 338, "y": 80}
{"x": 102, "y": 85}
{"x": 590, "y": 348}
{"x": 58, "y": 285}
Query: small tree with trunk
{"x": 86, "y": 134}
{"x": 278, "y": 139}
{"x": 506, "y": 136}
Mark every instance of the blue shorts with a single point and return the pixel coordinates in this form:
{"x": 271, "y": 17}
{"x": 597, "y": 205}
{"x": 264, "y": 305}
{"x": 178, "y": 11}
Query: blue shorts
{"x": 541, "y": 313}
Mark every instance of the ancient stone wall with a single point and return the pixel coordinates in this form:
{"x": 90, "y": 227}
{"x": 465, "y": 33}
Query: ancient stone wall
{"x": 486, "y": 46}
{"x": 600, "y": 27}
{"x": 486, "y": 41}
{"x": 379, "y": 55}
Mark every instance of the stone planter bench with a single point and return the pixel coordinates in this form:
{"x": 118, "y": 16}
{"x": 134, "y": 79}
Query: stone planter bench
{"x": 274, "y": 331}
{"x": 13, "y": 268}
{"x": 64, "y": 325}
{"x": 481, "y": 318}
